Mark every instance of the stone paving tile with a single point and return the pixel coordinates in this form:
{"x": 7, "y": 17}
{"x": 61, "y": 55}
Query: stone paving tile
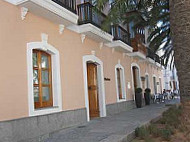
{"x": 110, "y": 129}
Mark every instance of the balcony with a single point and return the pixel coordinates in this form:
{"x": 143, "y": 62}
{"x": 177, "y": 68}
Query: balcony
{"x": 157, "y": 59}
{"x": 150, "y": 56}
{"x": 154, "y": 58}
{"x": 140, "y": 35}
{"x": 68, "y": 4}
{"x": 138, "y": 44}
{"x": 57, "y": 11}
{"x": 89, "y": 14}
{"x": 139, "y": 49}
{"x": 89, "y": 23}
{"x": 120, "y": 33}
{"x": 121, "y": 40}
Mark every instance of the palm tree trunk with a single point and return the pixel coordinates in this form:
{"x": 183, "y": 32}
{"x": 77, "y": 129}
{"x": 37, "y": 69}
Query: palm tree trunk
{"x": 180, "y": 29}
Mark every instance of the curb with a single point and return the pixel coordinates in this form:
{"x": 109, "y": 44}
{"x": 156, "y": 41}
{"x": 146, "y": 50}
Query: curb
{"x": 131, "y": 135}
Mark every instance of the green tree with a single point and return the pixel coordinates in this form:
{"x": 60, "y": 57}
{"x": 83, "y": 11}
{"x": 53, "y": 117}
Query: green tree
{"x": 180, "y": 33}
{"x": 161, "y": 16}
{"x": 153, "y": 14}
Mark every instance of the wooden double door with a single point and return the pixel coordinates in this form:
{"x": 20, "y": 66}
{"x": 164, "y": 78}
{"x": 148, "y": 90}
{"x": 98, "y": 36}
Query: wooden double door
{"x": 93, "y": 90}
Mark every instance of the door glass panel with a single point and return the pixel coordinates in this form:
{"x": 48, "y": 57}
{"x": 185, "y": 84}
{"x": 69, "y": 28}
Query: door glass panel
{"x": 44, "y": 61}
{"x": 36, "y": 94}
{"x": 35, "y": 60}
{"x": 35, "y": 77}
{"x": 46, "y": 93}
{"x": 45, "y": 77}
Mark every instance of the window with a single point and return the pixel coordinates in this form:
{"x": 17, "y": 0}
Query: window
{"x": 155, "y": 85}
{"x": 147, "y": 81}
{"x": 120, "y": 83}
{"x": 119, "y": 87}
{"x": 42, "y": 76}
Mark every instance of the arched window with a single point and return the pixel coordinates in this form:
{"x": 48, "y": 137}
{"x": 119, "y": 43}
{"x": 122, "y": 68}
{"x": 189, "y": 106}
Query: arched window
{"x": 147, "y": 81}
{"x": 44, "y": 84}
{"x": 42, "y": 79}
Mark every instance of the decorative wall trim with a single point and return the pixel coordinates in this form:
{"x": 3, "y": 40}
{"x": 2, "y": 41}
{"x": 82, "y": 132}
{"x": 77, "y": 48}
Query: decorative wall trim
{"x": 24, "y": 12}
{"x": 101, "y": 45}
{"x": 50, "y": 6}
{"x": 83, "y": 36}
{"x": 61, "y": 29}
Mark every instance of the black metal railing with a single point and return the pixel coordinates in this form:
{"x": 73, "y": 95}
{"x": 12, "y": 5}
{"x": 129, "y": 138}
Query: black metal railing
{"x": 150, "y": 54}
{"x": 120, "y": 33}
{"x": 68, "y": 4}
{"x": 154, "y": 56}
{"x": 157, "y": 58}
{"x": 140, "y": 34}
{"x": 89, "y": 14}
{"x": 162, "y": 62}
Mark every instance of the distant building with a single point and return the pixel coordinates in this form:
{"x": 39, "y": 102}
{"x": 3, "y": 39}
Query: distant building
{"x": 171, "y": 82}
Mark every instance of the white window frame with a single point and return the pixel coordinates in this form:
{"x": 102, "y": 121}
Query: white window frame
{"x": 56, "y": 82}
{"x": 146, "y": 74}
{"x": 122, "y": 77}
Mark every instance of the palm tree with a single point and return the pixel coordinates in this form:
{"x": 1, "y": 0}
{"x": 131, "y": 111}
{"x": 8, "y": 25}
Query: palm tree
{"x": 180, "y": 29}
{"x": 160, "y": 15}
{"x": 153, "y": 14}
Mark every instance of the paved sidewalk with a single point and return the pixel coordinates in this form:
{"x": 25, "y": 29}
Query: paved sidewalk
{"x": 110, "y": 129}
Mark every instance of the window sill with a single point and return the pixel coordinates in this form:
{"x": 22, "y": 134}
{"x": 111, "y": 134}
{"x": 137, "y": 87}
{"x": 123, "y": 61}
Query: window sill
{"x": 46, "y": 108}
{"x": 121, "y": 100}
{"x": 43, "y": 111}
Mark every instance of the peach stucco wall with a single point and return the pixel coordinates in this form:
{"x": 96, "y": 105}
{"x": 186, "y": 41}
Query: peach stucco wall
{"x": 14, "y": 36}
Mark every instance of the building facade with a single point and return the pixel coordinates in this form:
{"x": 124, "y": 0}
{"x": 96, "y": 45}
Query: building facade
{"x": 171, "y": 82}
{"x": 59, "y": 69}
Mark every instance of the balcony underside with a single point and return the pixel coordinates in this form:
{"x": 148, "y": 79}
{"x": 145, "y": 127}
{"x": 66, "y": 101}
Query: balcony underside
{"x": 159, "y": 65}
{"x": 51, "y": 11}
{"x": 138, "y": 55}
{"x": 120, "y": 46}
{"x": 151, "y": 61}
{"x": 92, "y": 32}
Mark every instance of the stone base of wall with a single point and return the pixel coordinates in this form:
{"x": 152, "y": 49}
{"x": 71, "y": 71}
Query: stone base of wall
{"x": 38, "y": 128}
{"x": 119, "y": 107}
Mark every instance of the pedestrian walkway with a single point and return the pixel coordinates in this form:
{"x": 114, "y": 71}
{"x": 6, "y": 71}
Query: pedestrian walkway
{"x": 110, "y": 129}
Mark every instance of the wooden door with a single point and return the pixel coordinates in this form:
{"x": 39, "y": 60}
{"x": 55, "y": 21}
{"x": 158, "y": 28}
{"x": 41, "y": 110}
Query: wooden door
{"x": 135, "y": 77}
{"x": 93, "y": 90}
